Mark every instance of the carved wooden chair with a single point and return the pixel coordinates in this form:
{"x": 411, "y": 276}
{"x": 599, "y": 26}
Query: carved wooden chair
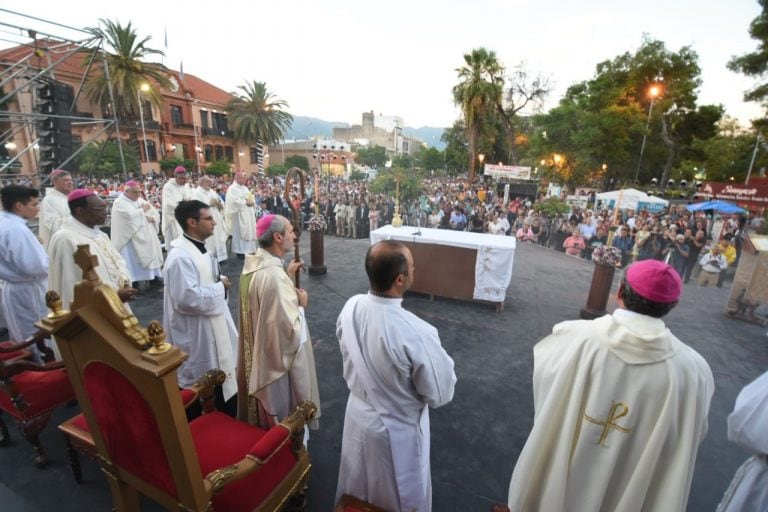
{"x": 125, "y": 379}
{"x": 78, "y": 434}
{"x": 30, "y": 392}
{"x": 349, "y": 503}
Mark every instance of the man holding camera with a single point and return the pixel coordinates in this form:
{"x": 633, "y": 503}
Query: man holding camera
{"x": 712, "y": 263}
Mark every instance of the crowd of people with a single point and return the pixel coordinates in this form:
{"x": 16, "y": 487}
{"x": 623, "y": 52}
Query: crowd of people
{"x": 394, "y": 364}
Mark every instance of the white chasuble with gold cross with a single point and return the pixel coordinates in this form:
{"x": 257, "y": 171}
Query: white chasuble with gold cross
{"x": 621, "y": 407}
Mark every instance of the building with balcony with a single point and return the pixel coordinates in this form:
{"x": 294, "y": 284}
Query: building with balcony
{"x": 191, "y": 123}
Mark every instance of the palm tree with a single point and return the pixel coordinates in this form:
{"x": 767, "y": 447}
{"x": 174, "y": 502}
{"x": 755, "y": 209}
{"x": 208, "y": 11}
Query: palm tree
{"x": 256, "y": 116}
{"x": 478, "y": 94}
{"x": 128, "y": 73}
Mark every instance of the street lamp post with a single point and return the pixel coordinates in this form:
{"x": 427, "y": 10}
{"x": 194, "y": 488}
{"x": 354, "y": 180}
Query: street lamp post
{"x": 144, "y": 88}
{"x": 652, "y": 92}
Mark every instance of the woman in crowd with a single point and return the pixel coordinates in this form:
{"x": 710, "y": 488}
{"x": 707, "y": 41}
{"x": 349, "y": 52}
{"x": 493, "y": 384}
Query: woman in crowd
{"x": 574, "y": 244}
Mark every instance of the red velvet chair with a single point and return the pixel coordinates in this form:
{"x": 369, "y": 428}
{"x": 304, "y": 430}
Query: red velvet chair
{"x": 125, "y": 380}
{"x": 30, "y": 392}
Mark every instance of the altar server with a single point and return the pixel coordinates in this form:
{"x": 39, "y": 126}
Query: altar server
{"x": 175, "y": 191}
{"x": 217, "y": 243}
{"x": 396, "y": 369}
{"x": 240, "y": 216}
{"x": 53, "y": 208}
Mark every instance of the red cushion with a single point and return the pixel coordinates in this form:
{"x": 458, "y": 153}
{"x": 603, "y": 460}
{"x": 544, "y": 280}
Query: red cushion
{"x": 42, "y": 391}
{"x": 21, "y": 353}
{"x": 130, "y": 429}
{"x": 187, "y": 395}
{"x": 220, "y": 441}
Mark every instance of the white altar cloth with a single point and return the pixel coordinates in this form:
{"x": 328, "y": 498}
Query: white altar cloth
{"x": 495, "y": 254}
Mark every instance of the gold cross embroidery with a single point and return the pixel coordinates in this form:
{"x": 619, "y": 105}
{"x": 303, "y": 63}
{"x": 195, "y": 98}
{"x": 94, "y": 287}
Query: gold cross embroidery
{"x": 618, "y": 410}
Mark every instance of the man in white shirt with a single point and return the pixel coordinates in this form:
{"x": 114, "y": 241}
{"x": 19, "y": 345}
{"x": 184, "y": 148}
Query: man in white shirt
{"x": 175, "y": 191}
{"x": 240, "y": 216}
{"x": 217, "y": 243}
{"x": 396, "y": 369}
{"x": 712, "y": 264}
{"x": 88, "y": 212}
{"x": 134, "y": 237}
{"x": 621, "y": 407}
{"x": 196, "y": 316}
{"x": 23, "y": 263}
{"x": 54, "y": 209}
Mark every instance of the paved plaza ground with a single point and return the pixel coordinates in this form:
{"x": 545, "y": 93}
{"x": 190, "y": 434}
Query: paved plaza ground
{"x": 476, "y": 438}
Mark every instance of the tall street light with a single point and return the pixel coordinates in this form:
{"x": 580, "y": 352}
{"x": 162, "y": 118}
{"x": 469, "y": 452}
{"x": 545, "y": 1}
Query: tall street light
{"x": 653, "y": 92}
{"x": 143, "y": 88}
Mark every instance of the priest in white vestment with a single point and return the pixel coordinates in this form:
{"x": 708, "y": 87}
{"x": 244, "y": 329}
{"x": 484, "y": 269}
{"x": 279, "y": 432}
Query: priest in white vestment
{"x": 174, "y": 191}
{"x": 276, "y": 360}
{"x": 133, "y": 235}
{"x": 88, "y": 211}
{"x": 748, "y": 427}
{"x": 217, "y": 243}
{"x": 396, "y": 369}
{"x": 54, "y": 209}
{"x": 621, "y": 407}
{"x": 196, "y": 316}
{"x": 23, "y": 263}
{"x": 240, "y": 216}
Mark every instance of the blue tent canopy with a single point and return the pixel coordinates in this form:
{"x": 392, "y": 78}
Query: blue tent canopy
{"x": 717, "y": 205}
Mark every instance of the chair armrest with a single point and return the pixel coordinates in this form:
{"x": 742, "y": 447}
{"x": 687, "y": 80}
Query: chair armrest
{"x": 290, "y": 429}
{"x": 16, "y": 367}
{"x": 36, "y": 339}
{"x": 203, "y": 390}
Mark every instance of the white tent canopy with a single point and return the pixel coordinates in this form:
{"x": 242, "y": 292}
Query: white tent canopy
{"x": 629, "y": 198}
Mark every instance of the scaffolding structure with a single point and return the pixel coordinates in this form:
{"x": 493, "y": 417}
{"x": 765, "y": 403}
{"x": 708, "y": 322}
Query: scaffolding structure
{"x": 50, "y": 45}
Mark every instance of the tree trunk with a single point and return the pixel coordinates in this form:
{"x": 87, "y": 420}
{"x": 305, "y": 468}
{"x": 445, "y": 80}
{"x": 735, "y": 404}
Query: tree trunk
{"x": 671, "y": 151}
{"x": 472, "y": 136}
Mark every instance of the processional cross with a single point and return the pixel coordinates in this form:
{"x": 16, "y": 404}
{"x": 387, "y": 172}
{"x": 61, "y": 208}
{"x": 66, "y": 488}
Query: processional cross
{"x": 87, "y": 262}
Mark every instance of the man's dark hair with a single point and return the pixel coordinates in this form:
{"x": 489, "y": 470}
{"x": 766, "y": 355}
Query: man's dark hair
{"x": 13, "y": 194}
{"x": 81, "y": 202}
{"x": 638, "y": 304}
{"x": 384, "y": 266}
{"x": 188, "y": 210}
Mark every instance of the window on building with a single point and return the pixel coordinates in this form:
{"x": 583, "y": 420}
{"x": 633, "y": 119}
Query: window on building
{"x": 208, "y": 151}
{"x": 229, "y": 154}
{"x": 219, "y": 122}
{"x": 176, "y": 116}
{"x": 151, "y": 150}
{"x": 254, "y": 155}
{"x": 219, "y": 152}
{"x": 204, "y": 119}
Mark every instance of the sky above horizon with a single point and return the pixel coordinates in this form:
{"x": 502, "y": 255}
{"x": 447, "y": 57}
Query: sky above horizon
{"x": 338, "y": 59}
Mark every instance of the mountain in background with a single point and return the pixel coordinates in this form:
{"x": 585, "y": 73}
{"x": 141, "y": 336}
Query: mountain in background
{"x": 309, "y": 127}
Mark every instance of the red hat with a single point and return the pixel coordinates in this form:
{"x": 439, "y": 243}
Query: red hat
{"x": 78, "y": 193}
{"x": 57, "y": 172}
{"x": 655, "y": 281}
{"x": 132, "y": 183}
{"x": 180, "y": 170}
{"x": 263, "y": 225}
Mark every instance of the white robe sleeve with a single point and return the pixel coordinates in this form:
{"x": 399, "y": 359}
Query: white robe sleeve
{"x": 433, "y": 374}
{"x": 748, "y": 423}
{"x": 188, "y": 296}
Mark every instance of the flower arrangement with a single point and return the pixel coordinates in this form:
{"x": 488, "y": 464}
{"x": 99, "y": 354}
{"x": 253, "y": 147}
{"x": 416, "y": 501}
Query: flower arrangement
{"x": 604, "y": 255}
{"x": 316, "y": 222}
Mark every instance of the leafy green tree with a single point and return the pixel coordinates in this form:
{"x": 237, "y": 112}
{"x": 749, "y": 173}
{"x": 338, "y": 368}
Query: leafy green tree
{"x": 297, "y": 161}
{"x": 356, "y": 175}
{"x": 277, "y": 170}
{"x": 256, "y": 117}
{"x": 218, "y": 168}
{"x": 755, "y": 64}
{"x": 103, "y": 158}
{"x": 551, "y": 207}
{"x": 374, "y": 157}
{"x": 386, "y": 183}
{"x": 431, "y": 159}
{"x": 403, "y": 161}
{"x": 478, "y": 92}
{"x": 456, "y": 149}
{"x": 128, "y": 71}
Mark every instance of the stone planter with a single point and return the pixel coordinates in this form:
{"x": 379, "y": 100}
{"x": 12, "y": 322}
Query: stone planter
{"x": 599, "y": 291}
{"x": 317, "y": 254}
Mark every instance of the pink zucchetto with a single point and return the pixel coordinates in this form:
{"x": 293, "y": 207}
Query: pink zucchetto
{"x": 180, "y": 170}
{"x": 78, "y": 193}
{"x": 655, "y": 281}
{"x": 58, "y": 172}
{"x": 263, "y": 224}
{"x": 132, "y": 183}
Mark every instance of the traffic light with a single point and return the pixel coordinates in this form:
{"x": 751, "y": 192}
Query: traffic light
{"x": 55, "y": 132}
